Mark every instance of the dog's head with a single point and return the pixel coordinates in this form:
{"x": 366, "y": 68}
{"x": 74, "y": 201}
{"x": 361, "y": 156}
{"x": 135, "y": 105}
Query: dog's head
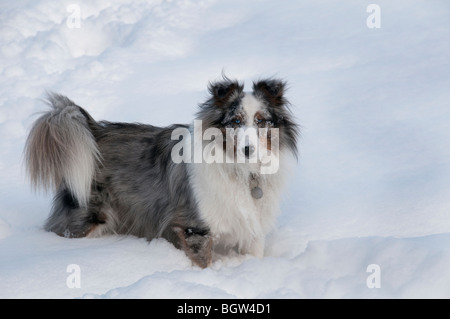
{"x": 254, "y": 124}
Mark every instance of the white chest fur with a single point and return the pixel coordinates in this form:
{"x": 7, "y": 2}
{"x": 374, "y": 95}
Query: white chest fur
{"x": 236, "y": 219}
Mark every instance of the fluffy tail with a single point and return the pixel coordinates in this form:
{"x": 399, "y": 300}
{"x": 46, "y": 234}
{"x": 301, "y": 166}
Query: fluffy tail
{"x": 61, "y": 150}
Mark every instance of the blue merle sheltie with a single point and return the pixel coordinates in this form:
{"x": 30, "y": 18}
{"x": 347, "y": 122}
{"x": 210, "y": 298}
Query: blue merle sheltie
{"x": 121, "y": 178}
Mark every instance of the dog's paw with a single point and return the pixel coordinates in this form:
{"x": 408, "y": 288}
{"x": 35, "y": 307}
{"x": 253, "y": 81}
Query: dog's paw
{"x": 197, "y": 244}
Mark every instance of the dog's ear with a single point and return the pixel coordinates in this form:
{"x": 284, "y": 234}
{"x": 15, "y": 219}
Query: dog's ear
{"x": 271, "y": 91}
{"x": 224, "y": 91}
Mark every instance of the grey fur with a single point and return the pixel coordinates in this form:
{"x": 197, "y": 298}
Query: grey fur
{"x": 136, "y": 189}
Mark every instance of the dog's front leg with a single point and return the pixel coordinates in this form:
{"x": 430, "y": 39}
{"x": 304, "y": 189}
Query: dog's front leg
{"x": 257, "y": 248}
{"x": 196, "y": 243}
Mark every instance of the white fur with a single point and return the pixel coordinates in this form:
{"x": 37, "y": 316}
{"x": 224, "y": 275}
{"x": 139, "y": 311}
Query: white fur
{"x": 235, "y": 218}
{"x": 83, "y": 155}
{"x": 251, "y": 105}
{"x": 223, "y": 194}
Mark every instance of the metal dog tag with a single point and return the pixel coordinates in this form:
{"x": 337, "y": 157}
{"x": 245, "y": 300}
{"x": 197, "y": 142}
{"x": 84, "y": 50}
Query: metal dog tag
{"x": 257, "y": 192}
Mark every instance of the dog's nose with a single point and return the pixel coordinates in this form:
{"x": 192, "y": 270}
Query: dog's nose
{"x": 249, "y": 150}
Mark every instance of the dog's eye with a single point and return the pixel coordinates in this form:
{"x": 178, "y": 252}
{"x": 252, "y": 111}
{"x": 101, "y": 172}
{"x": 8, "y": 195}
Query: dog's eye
{"x": 237, "y": 121}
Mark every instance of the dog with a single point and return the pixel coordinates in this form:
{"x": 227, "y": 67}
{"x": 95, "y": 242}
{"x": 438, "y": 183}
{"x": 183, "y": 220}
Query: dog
{"x": 204, "y": 187}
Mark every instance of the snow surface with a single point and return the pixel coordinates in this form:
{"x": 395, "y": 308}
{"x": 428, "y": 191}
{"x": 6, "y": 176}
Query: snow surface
{"x": 372, "y": 185}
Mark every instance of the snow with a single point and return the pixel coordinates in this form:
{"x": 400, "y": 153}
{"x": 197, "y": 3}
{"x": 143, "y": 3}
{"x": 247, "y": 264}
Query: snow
{"x": 372, "y": 184}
